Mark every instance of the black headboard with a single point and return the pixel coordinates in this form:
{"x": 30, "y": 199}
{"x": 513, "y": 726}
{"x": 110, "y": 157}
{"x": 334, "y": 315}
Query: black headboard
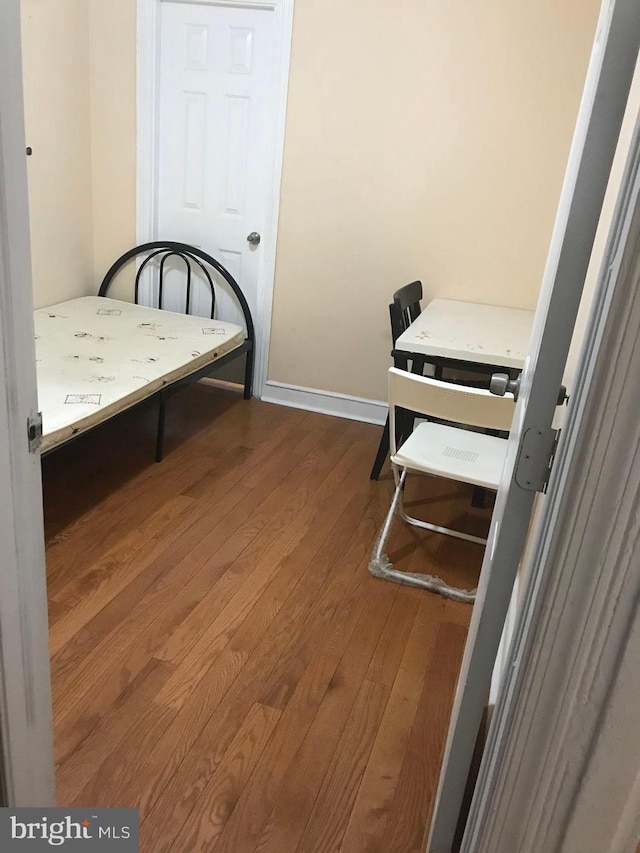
{"x": 163, "y": 250}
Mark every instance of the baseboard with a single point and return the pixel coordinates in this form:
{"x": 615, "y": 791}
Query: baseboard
{"x": 326, "y": 402}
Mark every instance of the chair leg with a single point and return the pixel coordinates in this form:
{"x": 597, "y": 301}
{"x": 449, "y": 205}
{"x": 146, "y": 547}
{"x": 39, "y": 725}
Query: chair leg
{"x": 447, "y": 531}
{"x": 160, "y": 432}
{"x": 381, "y": 567}
{"x": 383, "y": 452}
{"x": 478, "y": 497}
{"x": 378, "y": 558}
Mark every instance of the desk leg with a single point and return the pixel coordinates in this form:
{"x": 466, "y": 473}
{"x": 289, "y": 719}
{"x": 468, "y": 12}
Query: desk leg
{"x": 478, "y": 497}
{"x": 383, "y": 452}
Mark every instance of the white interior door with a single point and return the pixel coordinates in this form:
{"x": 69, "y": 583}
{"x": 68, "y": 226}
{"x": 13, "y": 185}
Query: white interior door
{"x": 600, "y": 117}
{"x": 216, "y": 134}
{"x": 26, "y": 736}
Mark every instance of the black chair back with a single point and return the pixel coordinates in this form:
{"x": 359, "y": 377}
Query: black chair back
{"x": 405, "y": 308}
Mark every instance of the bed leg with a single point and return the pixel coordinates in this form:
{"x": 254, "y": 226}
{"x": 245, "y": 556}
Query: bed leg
{"x": 160, "y": 433}
{"x": 248, "y": 374}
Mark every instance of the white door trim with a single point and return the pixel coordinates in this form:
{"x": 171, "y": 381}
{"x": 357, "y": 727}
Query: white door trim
{"x": 562, "y": 762}
{"x": 26, "y": 742}
{"x": 148, "y": 44}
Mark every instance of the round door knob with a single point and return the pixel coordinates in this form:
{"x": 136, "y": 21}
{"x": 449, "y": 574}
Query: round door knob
{"x": 253, "y": 238}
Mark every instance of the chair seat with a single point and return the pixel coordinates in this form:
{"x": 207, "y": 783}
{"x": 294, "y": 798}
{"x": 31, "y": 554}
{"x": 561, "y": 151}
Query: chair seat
{"x": 454, "y": 453}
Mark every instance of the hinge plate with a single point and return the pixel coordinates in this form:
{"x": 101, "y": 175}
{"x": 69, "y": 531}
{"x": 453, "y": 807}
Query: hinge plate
{"x": 34, "y": 432}
{"x": 535, "y": 458}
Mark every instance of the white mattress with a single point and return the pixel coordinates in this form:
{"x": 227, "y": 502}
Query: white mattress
{"x": 96, "y": 357}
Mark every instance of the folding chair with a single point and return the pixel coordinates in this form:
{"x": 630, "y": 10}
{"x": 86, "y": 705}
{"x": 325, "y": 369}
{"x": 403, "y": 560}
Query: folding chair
{"x": 443, "y": 450}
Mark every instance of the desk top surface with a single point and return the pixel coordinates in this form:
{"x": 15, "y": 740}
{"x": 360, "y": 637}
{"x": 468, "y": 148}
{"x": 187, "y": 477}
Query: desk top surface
{"x": 470, "y": 331}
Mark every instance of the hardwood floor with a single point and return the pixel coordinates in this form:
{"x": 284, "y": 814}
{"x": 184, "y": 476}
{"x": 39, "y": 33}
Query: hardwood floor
{"x": 221, "y": 657}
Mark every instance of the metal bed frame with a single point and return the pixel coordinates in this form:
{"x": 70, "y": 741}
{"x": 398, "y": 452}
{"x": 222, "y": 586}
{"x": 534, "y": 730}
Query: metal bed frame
{"x": 163, "y": 250}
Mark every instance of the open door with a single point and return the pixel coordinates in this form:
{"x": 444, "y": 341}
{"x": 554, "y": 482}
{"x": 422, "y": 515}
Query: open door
{"x": 532, "y": 437}
{"x": 26, "y": 744}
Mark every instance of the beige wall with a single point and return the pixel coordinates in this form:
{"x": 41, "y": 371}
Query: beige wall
{"x": 424, "y": 140}
{"x": 112, "y": 26}
{"x": 56, "y": 87}
{"x": 80, "y": 93}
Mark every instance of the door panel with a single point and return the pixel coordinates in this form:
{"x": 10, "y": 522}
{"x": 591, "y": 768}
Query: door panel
{"x": 216, "y": 139}
{"x": 26, "y": 732}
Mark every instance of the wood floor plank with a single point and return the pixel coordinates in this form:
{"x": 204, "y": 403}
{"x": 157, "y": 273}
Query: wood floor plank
{"x": 114, "y": 571}
{"x": 116, "y": 494}
{"x": 458, "y": 612}
{"x": 282, "y": 559}
{"x": 247, "y": 823}
{"x": 123, "y": 728}
{"x": 190, "y": 641}
{"x": 223, "y": 659}
{"x": 170, "y": 813}
{"x": 119, "y": 510}
{"x": 368, "y": 820}
{"x": 390, "y": 649}
{"x": 416, "y": 788}
{"x": 230, "y": 471}
{"x": 212, "y": 809}
{"x": 345, "y": 589}
{"x": 331, "y": 811}
{"x": 290, "y": 631}
{"x": 174, "y": 741}
{"x": 294, "y": 801}
{"x": 137, "y": 638}
{"x": 65, "y": 663}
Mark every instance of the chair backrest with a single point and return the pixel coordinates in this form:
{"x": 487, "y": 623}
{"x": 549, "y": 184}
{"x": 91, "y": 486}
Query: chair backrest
{"x": 448, "y": 402}
{"x": 405, "y": 308}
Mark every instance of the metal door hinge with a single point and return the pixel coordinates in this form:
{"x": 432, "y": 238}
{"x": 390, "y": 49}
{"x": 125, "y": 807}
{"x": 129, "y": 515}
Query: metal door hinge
{"x": 535, "y": 458}
{"x": 34, "y": 432}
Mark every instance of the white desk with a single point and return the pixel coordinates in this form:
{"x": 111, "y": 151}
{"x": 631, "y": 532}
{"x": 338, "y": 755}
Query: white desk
{"x": 469, "y": 331}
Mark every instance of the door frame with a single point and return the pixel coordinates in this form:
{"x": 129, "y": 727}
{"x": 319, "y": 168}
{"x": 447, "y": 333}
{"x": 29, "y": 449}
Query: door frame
{"x": 148, "y": 65}
{"x": 26, "y": 731}
{"x": 561, "y": 769}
